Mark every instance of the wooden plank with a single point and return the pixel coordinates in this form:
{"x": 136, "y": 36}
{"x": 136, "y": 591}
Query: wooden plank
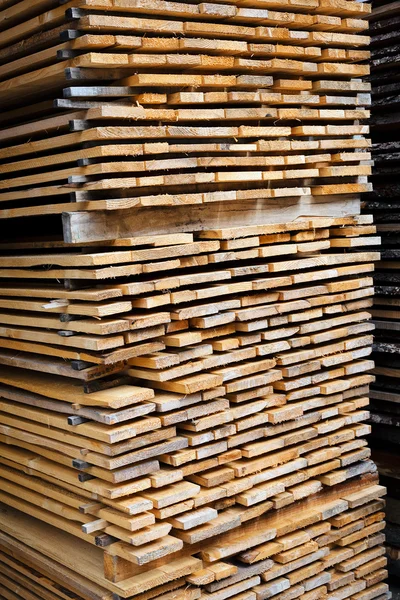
{"x": 78, "y": 226}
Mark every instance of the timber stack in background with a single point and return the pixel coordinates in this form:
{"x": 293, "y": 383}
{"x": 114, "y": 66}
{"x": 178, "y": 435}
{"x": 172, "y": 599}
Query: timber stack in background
{"x": 384, "y": 203}
{"x": 186, "y": 279}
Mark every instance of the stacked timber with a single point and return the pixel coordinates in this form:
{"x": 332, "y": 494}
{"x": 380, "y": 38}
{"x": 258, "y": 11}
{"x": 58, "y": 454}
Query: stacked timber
{"x": 170, "y": 427}
{"x": 185, "y": 286}
{"x": 161, "y": 435}
{"x": 146, "y": 103}
{"x": 384, "y": 203}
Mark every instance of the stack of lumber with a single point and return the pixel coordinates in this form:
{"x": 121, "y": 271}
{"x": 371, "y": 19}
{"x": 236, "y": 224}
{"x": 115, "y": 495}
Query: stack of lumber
{"x": 147, "y": 103}
{"x": 145, "y": 416}
{"x": 384, "y": 203}
{"x": 185, "y": 286}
